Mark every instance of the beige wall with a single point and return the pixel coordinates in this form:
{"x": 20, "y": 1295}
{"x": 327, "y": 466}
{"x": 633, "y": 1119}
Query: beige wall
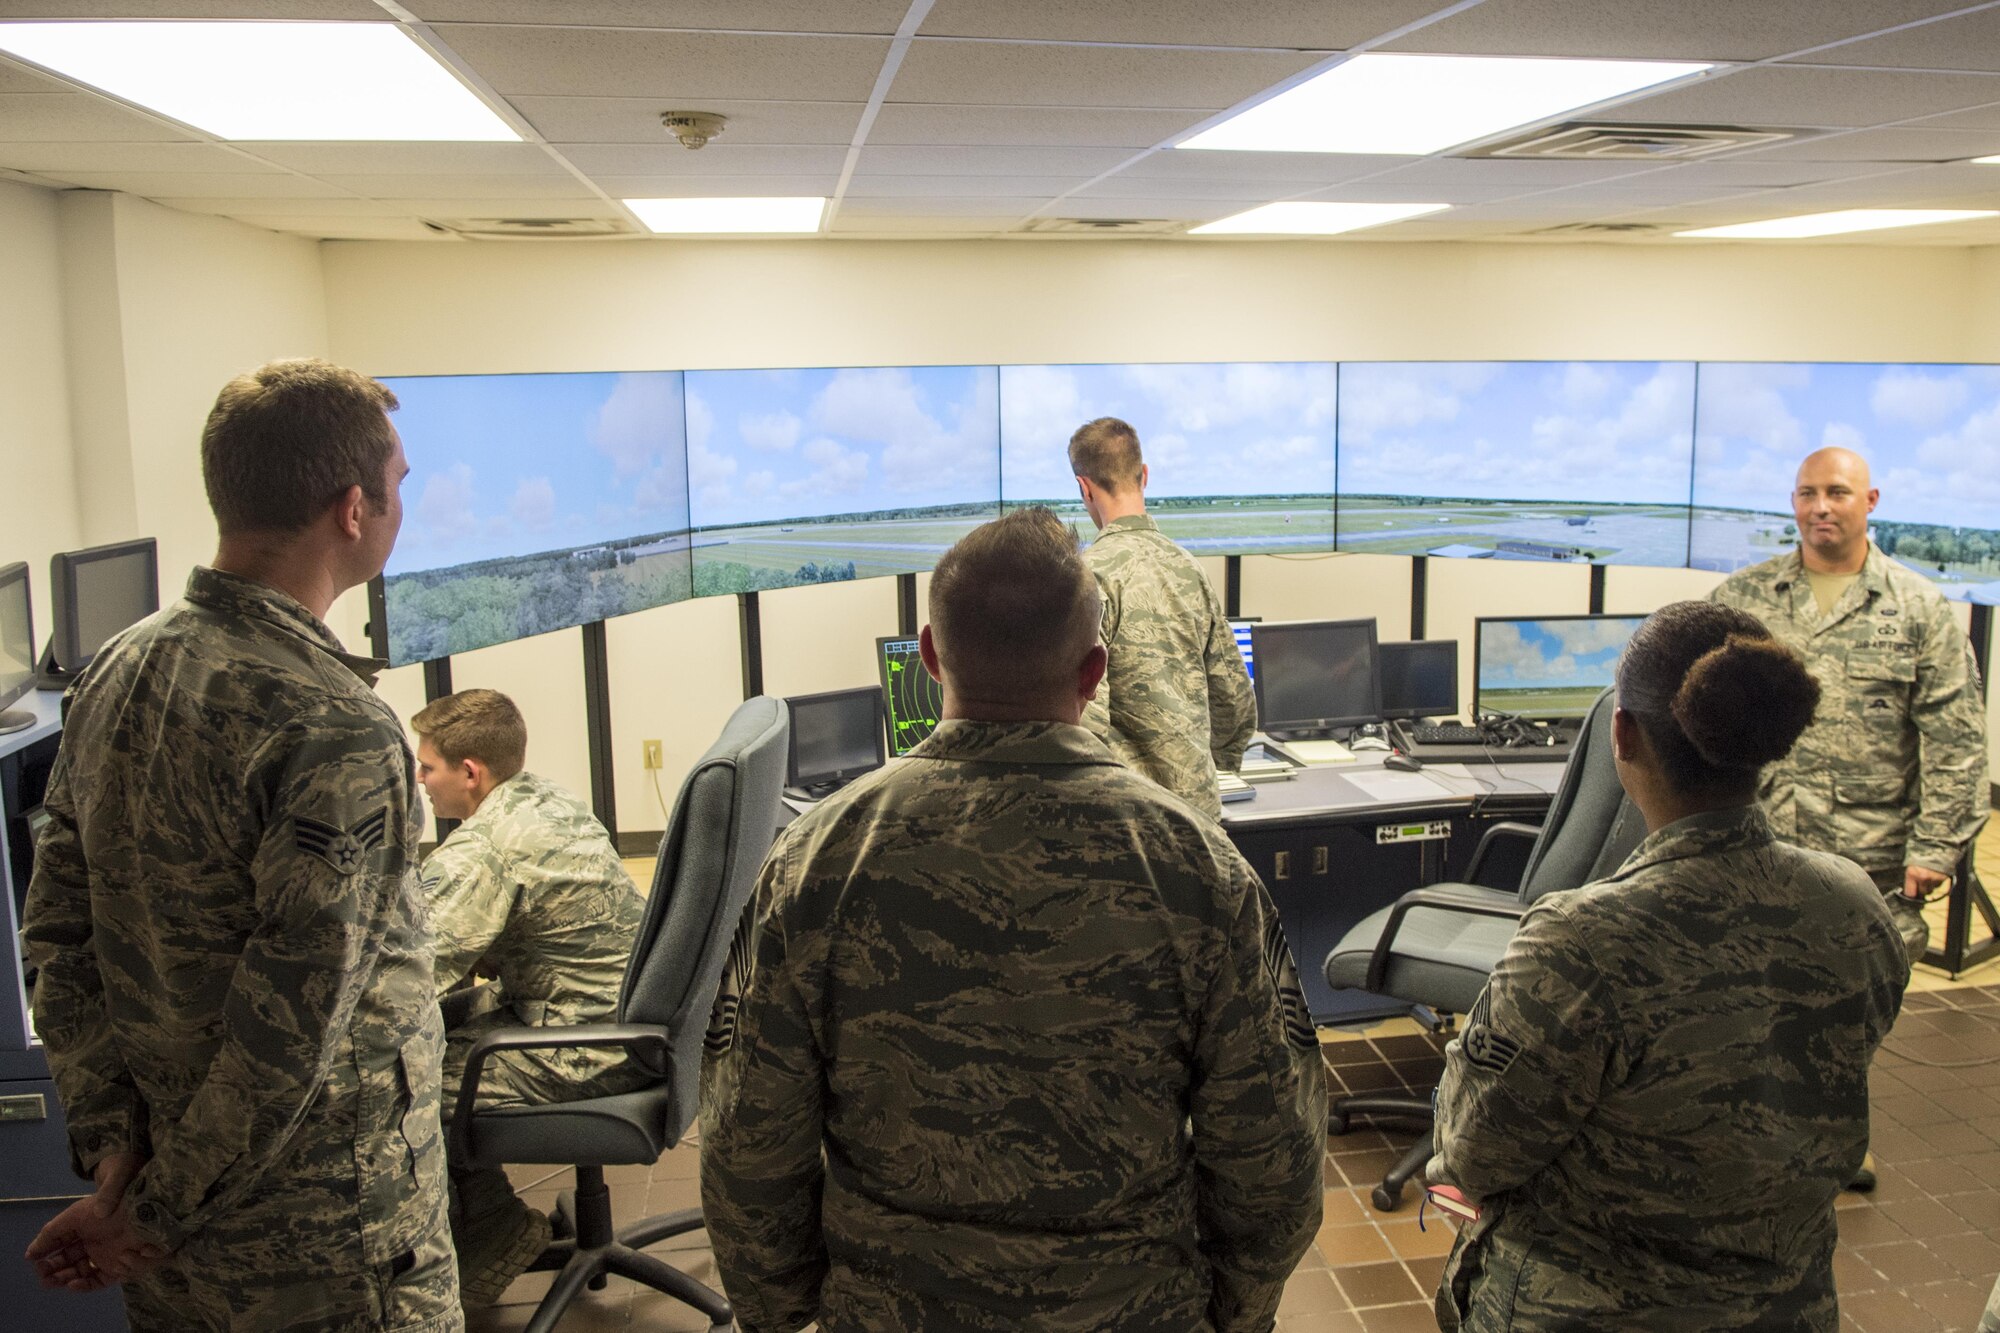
{"x": 38, "y": 511}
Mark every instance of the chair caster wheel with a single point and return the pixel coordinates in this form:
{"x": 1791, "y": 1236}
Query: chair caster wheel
{"x": 1336, "y": 1122}
{"x": 1386, "y": 1199}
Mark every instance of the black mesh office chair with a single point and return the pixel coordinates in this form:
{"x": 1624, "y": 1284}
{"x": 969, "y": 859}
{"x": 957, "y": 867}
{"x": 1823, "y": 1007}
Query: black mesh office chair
{"x": 1435, "y": 946}
{"x": 722, "y": 826}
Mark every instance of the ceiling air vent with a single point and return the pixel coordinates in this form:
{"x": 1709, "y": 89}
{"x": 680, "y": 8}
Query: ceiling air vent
{"x": 513, "y": 229}
{"x": 1604, "y": 229}
{"x": 1107, "y": 226}
{"x": 1645, "y": 143}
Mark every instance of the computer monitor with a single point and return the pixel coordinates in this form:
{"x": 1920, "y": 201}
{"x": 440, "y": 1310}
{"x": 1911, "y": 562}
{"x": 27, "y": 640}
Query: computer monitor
{"x": 17, "y": 645}
{"x": 1546, "y": 668}
{"x": 1419, "y": 679}
{"x": 1316, "y": 675}
{"x": 912, "y": 701}
{"x": 835, "y": 737}
{"x": 1240, "y": 626}
{"x": 96, "y": 593}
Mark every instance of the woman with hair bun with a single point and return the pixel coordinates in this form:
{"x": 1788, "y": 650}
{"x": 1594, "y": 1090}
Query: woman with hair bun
{"x": 1665, "y": 1085}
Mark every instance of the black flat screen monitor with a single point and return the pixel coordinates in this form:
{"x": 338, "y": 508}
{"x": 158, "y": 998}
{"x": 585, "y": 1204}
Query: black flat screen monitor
{"x": 1546, "y": 668}
{"x": 98, "y": 592}
{"x": 1419, "y": 679}
{"x": 914, "y": 702}
{"x": 17, "y": 645}
{"x": 835, "y": 738}
{"x": 1240, "y": 627}
{"x": 1316, "y": 675}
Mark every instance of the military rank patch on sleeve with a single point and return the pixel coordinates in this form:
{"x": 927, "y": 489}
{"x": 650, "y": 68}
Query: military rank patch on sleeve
{"x": 1485, "y": 1046}
{"x": 721, "y": 1034}
{"x": 341, "y": 848}
{"x": 1285, "y": 973}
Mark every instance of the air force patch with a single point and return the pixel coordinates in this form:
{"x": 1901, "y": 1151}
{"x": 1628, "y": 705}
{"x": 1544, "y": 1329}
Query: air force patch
{"x": 343, "y": 849}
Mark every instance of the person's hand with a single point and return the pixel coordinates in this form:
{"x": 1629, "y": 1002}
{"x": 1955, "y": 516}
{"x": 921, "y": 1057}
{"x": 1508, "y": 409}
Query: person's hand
{"x": 1919, "y": 882}
{"x": 89, "y": 1245}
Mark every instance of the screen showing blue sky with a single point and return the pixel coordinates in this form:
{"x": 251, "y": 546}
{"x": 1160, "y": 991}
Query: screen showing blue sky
{"x": 1552, "y": 654}
{"x": 508, "y": 465}
{"x": 765, "y": 445}
{"x": 1604, "y": 432}
{"x": 1930, "y": 433}
{"x": 1242, "y": 429}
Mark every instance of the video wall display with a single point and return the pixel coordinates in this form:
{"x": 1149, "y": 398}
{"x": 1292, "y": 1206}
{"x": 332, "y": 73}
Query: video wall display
{"x": 535, "y": 503}
{"x": 817, "y": 476}
{"x": 1241, "y": 456}
{"x": 1526, "y": 460}
{"x": 1930, "y": 433}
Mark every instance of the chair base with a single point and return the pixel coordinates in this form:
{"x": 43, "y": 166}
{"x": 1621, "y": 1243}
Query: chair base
{"x": 1388, "y": 1195}
{"x": 592, "y": 1251}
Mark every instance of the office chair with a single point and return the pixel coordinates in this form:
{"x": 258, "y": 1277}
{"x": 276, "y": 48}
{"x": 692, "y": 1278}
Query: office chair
{"x": 722, "y": 826}
{"x": 1435, "y": 946}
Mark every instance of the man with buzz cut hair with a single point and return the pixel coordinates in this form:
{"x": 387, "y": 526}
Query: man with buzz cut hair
{"x": 1177, "y": 704}
{"x": 235, "y": 974}
{"x": 1011, "y": 1038}
{"x": 528, "y": 889}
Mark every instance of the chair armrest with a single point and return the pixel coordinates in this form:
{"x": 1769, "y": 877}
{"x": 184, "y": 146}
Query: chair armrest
{"x": 648, "y": 1042}
{"x": 1436, "y": 898}
{"x": 1506, "y": 828}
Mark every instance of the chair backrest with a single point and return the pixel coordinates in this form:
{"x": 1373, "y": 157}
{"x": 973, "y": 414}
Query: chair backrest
{"x": 1592, "y": 826}
{"x": 723, "y": 822}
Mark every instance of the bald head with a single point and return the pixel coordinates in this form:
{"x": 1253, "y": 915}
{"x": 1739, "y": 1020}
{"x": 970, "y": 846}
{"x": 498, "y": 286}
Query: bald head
{"x": 1836, "y": 463}
{"x": 1831, "y": 500}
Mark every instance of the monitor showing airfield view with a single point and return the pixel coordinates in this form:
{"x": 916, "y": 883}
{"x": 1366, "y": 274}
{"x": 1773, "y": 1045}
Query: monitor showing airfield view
{"x": 1240, "y": 457}
{"x": 534, "y": 503}
{"x": 1547, "y": 669}
{"x": 817, "y": 476}
{"x": 1930, "y": 433}
{"x": 1583, "y": 461}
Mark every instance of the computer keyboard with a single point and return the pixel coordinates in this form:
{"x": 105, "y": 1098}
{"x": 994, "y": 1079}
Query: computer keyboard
{"x": 1444, "y": 733}
{"x": 1232, "y": 788}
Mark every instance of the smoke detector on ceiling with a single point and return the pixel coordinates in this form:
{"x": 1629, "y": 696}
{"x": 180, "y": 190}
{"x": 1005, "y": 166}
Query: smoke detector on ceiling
{"x": 1646, "y": 143}
{"x": 693, "y": 128}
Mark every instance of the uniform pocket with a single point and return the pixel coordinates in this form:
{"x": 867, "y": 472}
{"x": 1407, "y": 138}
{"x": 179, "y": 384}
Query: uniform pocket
{"x": 1869, "y": 789}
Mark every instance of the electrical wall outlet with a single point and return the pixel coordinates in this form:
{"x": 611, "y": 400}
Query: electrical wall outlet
{"x": 1281, "y": 865}
{"x": 653, "y": 759}
{"x": 1319, "y": 860}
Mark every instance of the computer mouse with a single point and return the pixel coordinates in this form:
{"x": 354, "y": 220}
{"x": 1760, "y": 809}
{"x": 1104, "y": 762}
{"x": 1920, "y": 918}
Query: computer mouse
{"x": 1404, "y": 762}
{"x": 1368, "y": 743}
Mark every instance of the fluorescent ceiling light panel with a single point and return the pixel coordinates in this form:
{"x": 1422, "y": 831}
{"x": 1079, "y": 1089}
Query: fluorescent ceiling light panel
{"x": 709, "y": 217}
{"x": 1420, "y": 104}
{"x": 297, "y": 81}
{"x": 1990, "y": 161}
{"x": 1835, "y": 224}
{"x": 1310, "y": 219}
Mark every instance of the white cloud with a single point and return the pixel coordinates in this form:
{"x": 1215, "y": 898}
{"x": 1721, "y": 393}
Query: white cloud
{"x": 534, "y": 504}
{"x": 1377, "y": 397}
{"x": 700, "y": 420}
{"x": 770, "y": 432}
{"x": 1840, "y": 435}
{"x": 1583, "y": 386}
{"x": 637, "y": 428}
{"x": 917, "y": 451}
{"x": 837, "y": 470}
{"x": 444, "y": 509}
{"x": 1584, "y": 637}
{"x": 1909, "y": 397}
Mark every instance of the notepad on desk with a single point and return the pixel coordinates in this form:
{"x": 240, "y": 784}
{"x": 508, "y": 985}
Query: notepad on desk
{"x": 1313, "y": 753}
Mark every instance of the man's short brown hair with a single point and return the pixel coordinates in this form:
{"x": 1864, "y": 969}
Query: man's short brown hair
{"x": 1014, "y": 610}
{"x": 476, "y": 724}
{"x": 287, "y": 439}
{"x": 1105, "y": 452}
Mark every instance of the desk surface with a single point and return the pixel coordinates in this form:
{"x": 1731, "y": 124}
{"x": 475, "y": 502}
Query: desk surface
{"x": 46, "y": 705}
{"x": 1365, "y": 789}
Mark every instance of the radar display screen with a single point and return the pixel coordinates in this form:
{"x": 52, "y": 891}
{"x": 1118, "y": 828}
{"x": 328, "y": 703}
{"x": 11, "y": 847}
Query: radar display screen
{"x": 914, "y": 701}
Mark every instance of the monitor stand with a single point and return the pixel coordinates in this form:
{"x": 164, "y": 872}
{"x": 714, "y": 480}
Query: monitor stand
{"x": 19, "y": 719}
{"x": 50, "y": 676}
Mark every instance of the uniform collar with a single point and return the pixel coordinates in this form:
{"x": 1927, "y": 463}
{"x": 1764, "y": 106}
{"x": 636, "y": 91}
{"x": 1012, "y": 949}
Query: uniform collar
{"x": 1130, "y": 523}
{"x": 234, "y": 595}
{"x": 502, "y": 796}
{"x": 1872, "y": 581}
{"x": 958, "y": 740}
{"x": 1706, "y": 834}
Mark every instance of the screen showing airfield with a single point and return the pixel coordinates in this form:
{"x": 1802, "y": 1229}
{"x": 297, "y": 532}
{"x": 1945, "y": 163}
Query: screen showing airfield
{"x": 1930, "y": 434}
{"x": 1582, "y": 461}
{"x": 1240, "y": 457}
{"x": 534, "y": 503}
{"x": 816, "y": 476}
{"x": 915, "y": 701}
{"x": 1551, "y": 669}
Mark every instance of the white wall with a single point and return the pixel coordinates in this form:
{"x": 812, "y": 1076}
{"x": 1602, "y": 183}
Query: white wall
{"x": 38, "y": 512}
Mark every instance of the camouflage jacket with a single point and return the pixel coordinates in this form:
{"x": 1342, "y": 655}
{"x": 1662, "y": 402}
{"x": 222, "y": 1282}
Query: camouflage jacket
{"x": 235, "y": 975}
{"x": 1892, "y": 771}
{"x": 1176, "y": 701}
{"x": 530, "y": 889}
{"x": 1665, "y": 1086}
{"x": 1021, "y": 1046}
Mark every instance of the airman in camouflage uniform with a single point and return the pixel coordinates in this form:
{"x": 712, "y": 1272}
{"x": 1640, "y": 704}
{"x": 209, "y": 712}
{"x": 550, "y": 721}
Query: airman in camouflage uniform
{"x": 1176, "y": 703}
{"x": 1663, "y": 1089}
{"x": 1012, "y": 1039}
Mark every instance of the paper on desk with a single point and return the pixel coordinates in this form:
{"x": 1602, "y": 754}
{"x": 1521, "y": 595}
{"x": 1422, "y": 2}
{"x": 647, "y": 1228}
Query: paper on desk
{"x": 1388, "y": 784}
{"x": 1320, "y": 752}
{"x": 1459, "y": 772}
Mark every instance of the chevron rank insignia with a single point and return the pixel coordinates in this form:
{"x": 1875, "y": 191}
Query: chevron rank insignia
{"x": 1485, "y": 1046}
{"x": 341, "y": 848}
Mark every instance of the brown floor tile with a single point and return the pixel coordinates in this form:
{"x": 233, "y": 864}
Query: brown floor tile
{"x": 1378, "y": 1284}
{"x": 1400, "y": 1319}
{"x": 1428, "y": 1272}
{"x": 1971, "y": 1254}
{"x": 1432, "y": 1240}
{"x": 1887, "y": 1312}
{"x": 1311, "y": 1292}
{"x": 1342, "y": 1206}
{"x": 1952, "y": 1141}
{"x": 1365, "y": 1169}
{"x": 1974, "y": 1106}
{"x": 1923, "y": 1218}
{"x": 1407, "y": 1048}
{"x": 1867, "y": 1226}
{"x": 1956, "y": 1304}
{"x": 1371, "y": 1077}
{"x": 1981, "y": 1209}
{"x": 1353, "y": 1244}
{"x": 1329, "y": 1321}
{"x": 1852, "y": 1273}
{"x": 1907, "y": 1264}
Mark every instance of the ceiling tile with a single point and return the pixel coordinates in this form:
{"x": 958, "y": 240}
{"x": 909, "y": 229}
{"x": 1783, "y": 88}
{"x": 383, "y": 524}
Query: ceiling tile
{"x": 599, "y": 120}
{"x": 920, "y": 187}
{"x": 897, "y": 160}
{"x": 435, "y": 207}
{"x": 853, "y": 16}
{"x": 359, "y": 10}
{"x": 1975, "y": 118}
{"x": 77, "y": 118}
{"x": 194, "y": 184}
{"x": 1515, "y": 174}
{"x": 1755, "y": 169}
{"x": 397, "y": 159}
{"x": 717, "y": 187}
{"x": 1969, "y": 42}
{"x": 1911, "y": 144}
{"x": 1305, "y": 168}
{"x": 1065, "y": 127}
{"x": 684, "y": 69}
{"x": 156, "y": 157}
{"x": 1794, "y": 95}
{"x": 718, "y": 159}
{"x": 1123, "y": 186}
{"x": 347, "y": 229}
{"x": 1300, "y": 24}
{"x": 280, "y": 207}
{"x": 923, "y": 226}
{"x": 1684, "y": 30}
{"x": 462, "y": 187}
{"x": 1177, "y": 208}
{"x": 934, "y": 207}
{"x": 1016, "y": 74}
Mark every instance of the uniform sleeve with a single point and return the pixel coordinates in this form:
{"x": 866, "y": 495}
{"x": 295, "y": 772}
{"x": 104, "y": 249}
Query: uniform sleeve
{"x": 469, "y": 900}
{"x": 330, "y": 875}
{"x": 1951, "y": 748}
{"x": 101, "y": 1102}
{"x": 1097, "y": 713}
{"x": 1258, "y": 1114}
{"x": 1232, "y": 706}
{"x": 1529, "y": 1066}
{"x": 761, "y": 1123}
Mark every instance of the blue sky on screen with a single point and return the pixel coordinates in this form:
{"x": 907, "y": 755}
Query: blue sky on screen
{"x": 1243, "y": 429}
{"x": 1597, "y": 431}
{"x": 1930, "y": 433}
{"x": 506, "y": 465}
{"x": 1552, "y": 653}
{"x": 773, "y": 444}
